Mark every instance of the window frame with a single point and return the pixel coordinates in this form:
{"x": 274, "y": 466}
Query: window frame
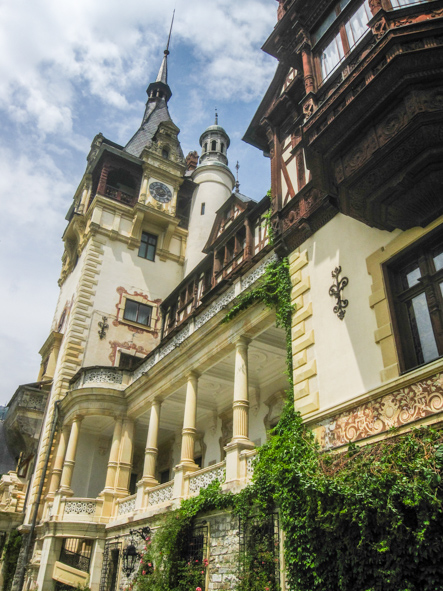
{"x": 399, "y": 297}
{"x": 147, "y": 244}
{"x": 138, "y": 304}
{"x": 338, "y": 30}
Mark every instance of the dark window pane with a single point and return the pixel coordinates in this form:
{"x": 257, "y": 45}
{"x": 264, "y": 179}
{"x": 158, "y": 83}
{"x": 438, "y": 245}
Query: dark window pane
{"x": 438, "y": 261}
{"x": 424, "y": 341}
{"x": 144, "y": 314}
{"x": 148, "y": 246}
{"x": 142, "y": 250}
{"x": 131, "y": 311}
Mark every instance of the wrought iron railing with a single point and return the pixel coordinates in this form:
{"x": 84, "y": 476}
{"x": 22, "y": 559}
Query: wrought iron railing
{"x": 75, "y": 560}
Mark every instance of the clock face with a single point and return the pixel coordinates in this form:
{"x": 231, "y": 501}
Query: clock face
{"x": 160, "y": 192}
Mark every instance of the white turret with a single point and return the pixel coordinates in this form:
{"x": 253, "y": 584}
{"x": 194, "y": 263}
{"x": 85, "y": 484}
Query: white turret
{"x": 215, "y": 183}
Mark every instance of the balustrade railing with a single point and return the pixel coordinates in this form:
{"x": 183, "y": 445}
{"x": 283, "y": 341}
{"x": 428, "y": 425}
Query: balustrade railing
{"x": 204, "y": 477}
{"x": 126, "y": 505}
{"x": 161, "y": 494}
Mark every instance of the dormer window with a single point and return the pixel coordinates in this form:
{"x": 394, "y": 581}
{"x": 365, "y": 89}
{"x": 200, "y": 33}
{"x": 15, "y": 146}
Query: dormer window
{"x": 345, "y": 37}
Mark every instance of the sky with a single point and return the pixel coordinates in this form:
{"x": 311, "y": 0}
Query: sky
{"x": 70, "y": 69}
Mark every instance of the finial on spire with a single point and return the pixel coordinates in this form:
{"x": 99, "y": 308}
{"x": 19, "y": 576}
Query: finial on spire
{"x": 237, "y": 184}
{"x": 216, "y": 116}
{"x": 166, "y": 52}
{"x": 163, "y": 72}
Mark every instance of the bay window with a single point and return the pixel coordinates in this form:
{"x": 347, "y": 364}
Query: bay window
{"x": 347, "y": 35}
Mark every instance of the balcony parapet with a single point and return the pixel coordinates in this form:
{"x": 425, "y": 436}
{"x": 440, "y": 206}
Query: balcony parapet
{"x": 126, "y": 505}
{"x": 101, "y": 377}
{"x": 161, "y": 494}
{"x": 81, "y": 509}
{"x": 195, "y": 481}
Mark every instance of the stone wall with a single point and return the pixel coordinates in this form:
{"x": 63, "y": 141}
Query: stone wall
{"x": 223, "y": 551}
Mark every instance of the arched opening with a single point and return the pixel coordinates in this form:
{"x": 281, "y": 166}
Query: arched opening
{"x": 222, "y": 148}
{"x": 121, "y": 185}
{"x": 165, "y": 153}
{"x": 214, "y": 146}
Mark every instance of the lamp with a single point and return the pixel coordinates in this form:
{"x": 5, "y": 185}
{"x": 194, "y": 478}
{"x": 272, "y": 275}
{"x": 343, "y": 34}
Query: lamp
{"x": 130, "y": 557}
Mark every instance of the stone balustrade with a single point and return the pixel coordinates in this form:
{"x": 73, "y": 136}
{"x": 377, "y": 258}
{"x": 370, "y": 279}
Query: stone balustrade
{"x": 126, "y": 505}
{"x": 80, "y": 509}
{"x": 202, "y": 478}
{"x": 161, "y": 494}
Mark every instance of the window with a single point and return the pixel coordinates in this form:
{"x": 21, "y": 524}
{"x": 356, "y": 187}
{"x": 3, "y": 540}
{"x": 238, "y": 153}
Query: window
{"x": 128, "y": 361}
{"x": 213, "y": 145}
{"x": 202, "y": 210}
{"x": 136, "y": 312}
{"x": 165, "y": 154}
{"x": 416, "y": 284}
{"x": 148, "y": 246}
{"x": 347, "y": 35}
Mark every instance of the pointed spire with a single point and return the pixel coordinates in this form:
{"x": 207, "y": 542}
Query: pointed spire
{"x": 216, "y": 116}
{"x": 163, "y": 72}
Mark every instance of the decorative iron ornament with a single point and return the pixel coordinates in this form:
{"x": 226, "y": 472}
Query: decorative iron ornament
{"x": 103, "y": 327}
{"x": 335, "y": 291}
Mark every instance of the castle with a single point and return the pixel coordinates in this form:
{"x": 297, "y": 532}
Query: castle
{"x": 144, "y": 395}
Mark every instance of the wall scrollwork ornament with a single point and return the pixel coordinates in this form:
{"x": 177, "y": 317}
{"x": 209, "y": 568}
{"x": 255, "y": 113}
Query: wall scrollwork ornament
{"x": 103, "y": 327}
{"x": 336, "y": 291}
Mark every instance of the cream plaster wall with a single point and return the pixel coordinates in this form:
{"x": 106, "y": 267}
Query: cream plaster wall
{"x": 348, "y": 360}
{"x": 91, "y": 463}
{"x": 215, "y": 185}
{"x": 122, "y": 267}
{"x": 67, "y": 292}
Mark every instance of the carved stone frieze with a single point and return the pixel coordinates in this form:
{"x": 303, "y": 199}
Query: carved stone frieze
{"x": 404, "y": 406}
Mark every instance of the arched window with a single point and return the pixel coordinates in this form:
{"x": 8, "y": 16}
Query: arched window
{"x": 165, "y": 153}
{"x": 214, "y": 146}
{"x": 206, "y": 147}
{"x": 222, "y": 148}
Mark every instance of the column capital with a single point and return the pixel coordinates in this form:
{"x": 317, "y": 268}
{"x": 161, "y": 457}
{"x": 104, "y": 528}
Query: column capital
{"x": 193, "y": 374}
{"x": 242, "y": 341}
{"x": 77, "y": 419}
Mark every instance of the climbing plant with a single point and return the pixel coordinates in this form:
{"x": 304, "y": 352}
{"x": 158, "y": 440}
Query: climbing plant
{"x": 10, "y": 558}
{"x": 166, "y": 563}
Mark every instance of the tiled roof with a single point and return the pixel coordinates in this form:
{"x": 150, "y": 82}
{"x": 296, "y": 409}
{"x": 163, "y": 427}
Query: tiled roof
{"x": 156, "y": 113}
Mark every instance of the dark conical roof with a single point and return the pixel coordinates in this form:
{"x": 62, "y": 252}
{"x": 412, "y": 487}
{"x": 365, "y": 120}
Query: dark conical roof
{"x": 156, "y": 110}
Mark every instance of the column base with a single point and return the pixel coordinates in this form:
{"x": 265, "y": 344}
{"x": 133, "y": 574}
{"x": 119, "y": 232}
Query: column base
{"x": 65, "y": 491}
{"x": 233, "y": 450}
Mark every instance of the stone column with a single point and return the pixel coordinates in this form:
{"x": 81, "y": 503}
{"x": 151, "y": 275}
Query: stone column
{"x": 187, "y": 463}
{"x": 189, "y": 421}
{"x": 113, "y": 456}
{"x": 69, "y": 463}
{"x": 240, "y": 410}
{"x": 240, "y": 430}
{"x": 151, "y": 450}
{"x": 59, "y": 461}
{"x": 125, "y": 461}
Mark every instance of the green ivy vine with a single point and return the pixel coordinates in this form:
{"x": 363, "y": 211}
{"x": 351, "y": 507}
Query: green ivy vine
{"x": 165, "y": 564}
{"x": 10, "y": 558}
